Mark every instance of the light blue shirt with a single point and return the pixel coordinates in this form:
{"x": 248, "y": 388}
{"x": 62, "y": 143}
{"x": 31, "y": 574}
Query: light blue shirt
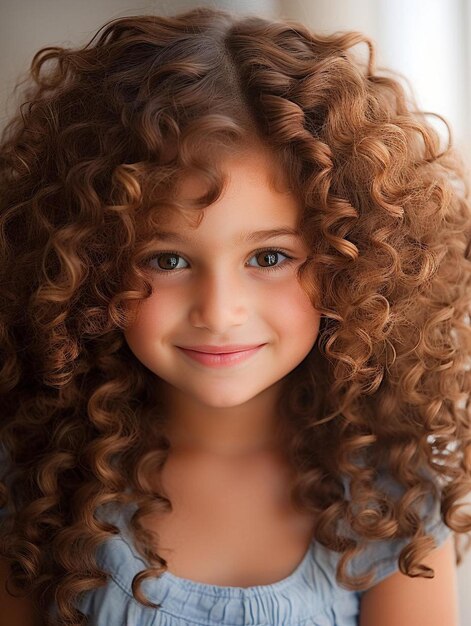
{"x": 309, "y": 596}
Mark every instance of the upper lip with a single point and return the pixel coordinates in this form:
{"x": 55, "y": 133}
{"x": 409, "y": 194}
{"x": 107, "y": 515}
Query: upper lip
{"x": 221, "y": 349}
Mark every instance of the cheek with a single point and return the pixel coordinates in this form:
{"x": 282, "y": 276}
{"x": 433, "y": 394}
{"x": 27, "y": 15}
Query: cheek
{"x": 151, "y": 315}
{"x": 291, "y": 306}
{"x": 284, "y": 304}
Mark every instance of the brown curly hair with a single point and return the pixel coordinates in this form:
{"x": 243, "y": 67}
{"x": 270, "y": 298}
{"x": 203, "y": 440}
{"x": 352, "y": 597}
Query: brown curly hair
{"x": 105, "y": 134}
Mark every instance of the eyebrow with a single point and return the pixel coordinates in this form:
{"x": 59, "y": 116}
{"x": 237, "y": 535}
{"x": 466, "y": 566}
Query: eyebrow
{"x": 259, "y": 235}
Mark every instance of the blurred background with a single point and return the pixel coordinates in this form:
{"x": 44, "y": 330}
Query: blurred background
{"x": 427, "y": 41}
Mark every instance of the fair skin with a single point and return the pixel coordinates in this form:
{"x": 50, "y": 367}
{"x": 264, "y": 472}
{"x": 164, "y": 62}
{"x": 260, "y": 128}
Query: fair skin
{"x": 399, "y": 599}
{"x": 223, "y": 425}
{"x": 18, "y": 610}
{"x": 221, "y": 293}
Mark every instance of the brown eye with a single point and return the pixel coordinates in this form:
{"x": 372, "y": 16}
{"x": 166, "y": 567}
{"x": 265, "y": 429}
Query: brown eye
{"x": 267, "y": 257}
{"x": 267, "y": 260}
{"x": 167, "y": 260}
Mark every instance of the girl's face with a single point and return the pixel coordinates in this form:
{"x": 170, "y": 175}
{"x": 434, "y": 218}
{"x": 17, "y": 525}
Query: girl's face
{"x": 214, "y": 285}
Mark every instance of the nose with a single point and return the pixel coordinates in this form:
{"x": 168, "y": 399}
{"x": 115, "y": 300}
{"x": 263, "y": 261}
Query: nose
{"x": 220, "y": 301}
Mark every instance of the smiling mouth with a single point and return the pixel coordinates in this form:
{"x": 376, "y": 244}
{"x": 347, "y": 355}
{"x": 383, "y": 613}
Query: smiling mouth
{"x": 221, "y": 359}
{"x": 225, "y": 349}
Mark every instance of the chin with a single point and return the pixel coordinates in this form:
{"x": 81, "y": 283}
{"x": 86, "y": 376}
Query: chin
{"x": 224, "y": 401}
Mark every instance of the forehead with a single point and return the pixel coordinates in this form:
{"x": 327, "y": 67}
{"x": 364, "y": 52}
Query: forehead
{"x": 258, "y": 165}
{"x": 255, "y": 193}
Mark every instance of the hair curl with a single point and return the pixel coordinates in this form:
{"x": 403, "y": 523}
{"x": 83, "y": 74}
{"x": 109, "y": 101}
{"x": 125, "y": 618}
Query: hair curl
{"x": 105, "y": 135}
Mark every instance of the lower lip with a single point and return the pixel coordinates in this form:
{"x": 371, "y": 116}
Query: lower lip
{"x": 223, "y": 359}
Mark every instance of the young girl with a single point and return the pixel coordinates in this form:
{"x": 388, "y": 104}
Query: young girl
{"x": 235, "y": 278}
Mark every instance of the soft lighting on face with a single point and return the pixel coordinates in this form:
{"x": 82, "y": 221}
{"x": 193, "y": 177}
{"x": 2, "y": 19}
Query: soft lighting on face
{"x": 229, "y": 280}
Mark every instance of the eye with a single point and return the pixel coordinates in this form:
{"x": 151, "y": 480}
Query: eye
{"x": 270, "y": 256}
{"x": 168, "y": 261}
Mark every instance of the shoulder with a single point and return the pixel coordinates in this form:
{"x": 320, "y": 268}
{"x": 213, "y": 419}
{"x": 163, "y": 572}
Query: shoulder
{"x": 395, "y": 598}
{"x": 16, "y": 611}
{"x": 400, "y": 599}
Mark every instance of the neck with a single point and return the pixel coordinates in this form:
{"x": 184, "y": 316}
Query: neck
{"x": 230, "y": 432}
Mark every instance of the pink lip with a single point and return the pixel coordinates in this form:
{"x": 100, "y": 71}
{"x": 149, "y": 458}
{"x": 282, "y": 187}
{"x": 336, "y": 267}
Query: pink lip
{"x": 221, "y": 359}
{"x": 221, "y": 349}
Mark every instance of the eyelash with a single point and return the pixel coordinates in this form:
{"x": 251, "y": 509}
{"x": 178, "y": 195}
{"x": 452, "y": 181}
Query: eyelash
{"x": 272, "y": 268}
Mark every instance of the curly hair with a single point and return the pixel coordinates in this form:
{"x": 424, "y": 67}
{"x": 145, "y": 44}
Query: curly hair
{"x": 87, "y": 169}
